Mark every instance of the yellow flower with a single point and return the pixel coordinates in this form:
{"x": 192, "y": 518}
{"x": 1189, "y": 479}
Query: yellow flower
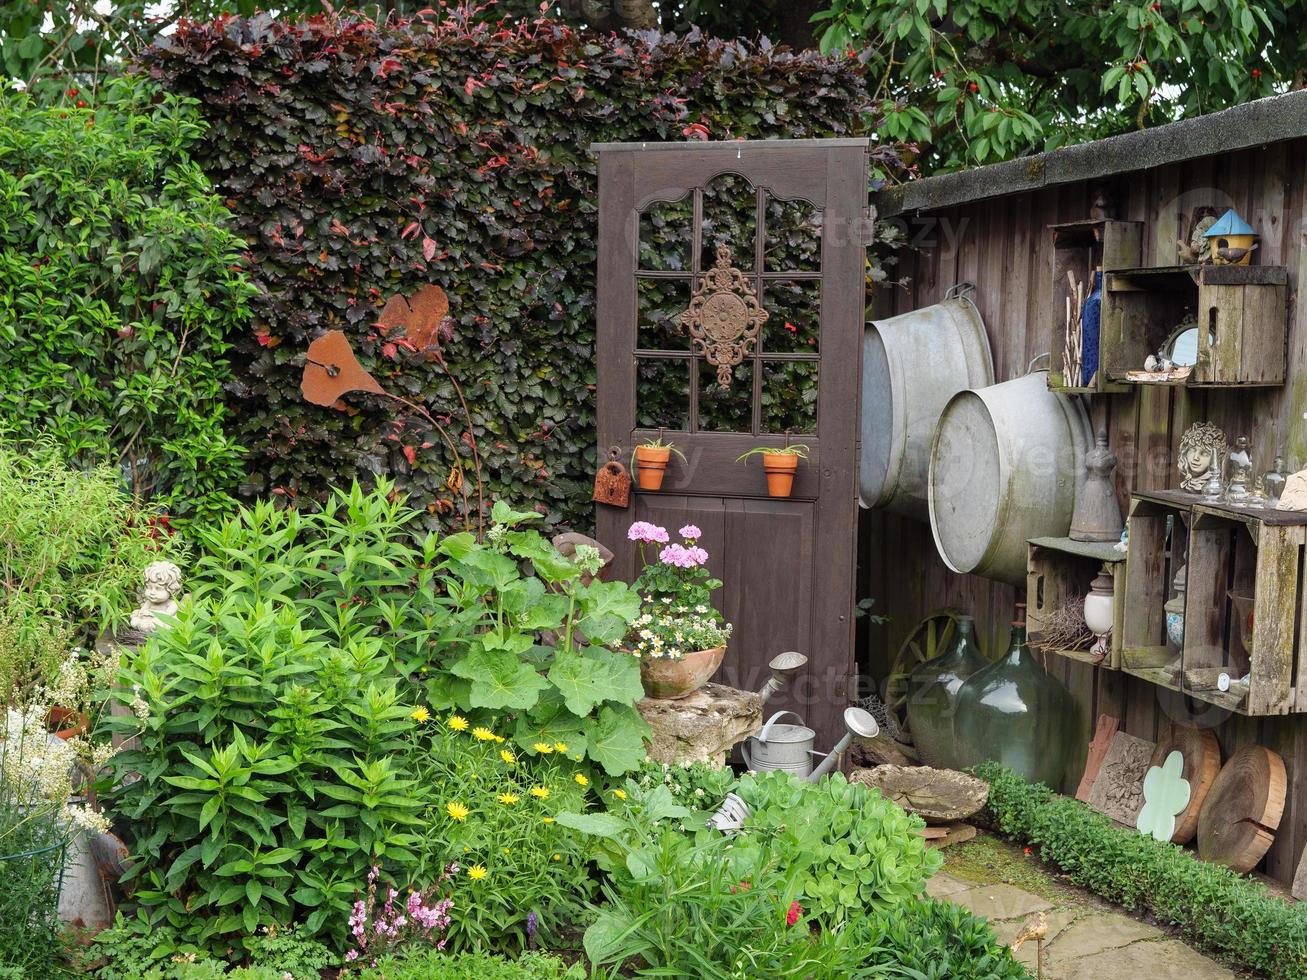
{"x": 546, "y": 819}
{"x": 581, "y": 780}
{"x": 558, "y": 857}
{"x": 560, "y": 746}
{"x": 499, "y": 739}
{"x": 420, "y": 714}
{"x": 544, "y": 748}
{"x": 508, "y": 799}
{"x": 620, "y": 793}
{"x": 540, "y": 792}
{"x": 507, "y": 756}
{"x": 577, "y": 757}
{"x": 483, "y": 734}
{"x": 457, "y": 810}
{"x": 458, "y": 723}
{"x": 476, "y": 872}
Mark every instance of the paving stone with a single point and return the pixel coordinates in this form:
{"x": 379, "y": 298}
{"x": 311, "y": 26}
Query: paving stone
{"x": 1099, "y": 931}
{"x": 1166, "y": 959}
{"x": 999, "y": 901}
{"x": 943, "y": 885}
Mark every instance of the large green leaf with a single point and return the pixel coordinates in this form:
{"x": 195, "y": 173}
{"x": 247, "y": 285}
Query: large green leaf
{"x": 607, "y": 609}
{"x": 499, "y": 679}
{"x": 550, "y": 722}
{"x": 548, "y": 562}
{"x": 617, "y": 740}
{"x": 590, "y": 676}
{"x": 594, "y": 824}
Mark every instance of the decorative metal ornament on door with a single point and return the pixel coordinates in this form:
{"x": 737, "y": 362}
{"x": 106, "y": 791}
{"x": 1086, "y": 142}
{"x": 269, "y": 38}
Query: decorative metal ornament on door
{"x": 724, "y": 316}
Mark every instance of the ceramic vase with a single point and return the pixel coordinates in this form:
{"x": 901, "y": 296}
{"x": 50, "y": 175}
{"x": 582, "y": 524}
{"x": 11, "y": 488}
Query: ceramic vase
{"x": 672, "y": 680}
{"x": 1012, "y": 712}
{"x": 1091, "y": 317}
{"x": 933, "y": 693}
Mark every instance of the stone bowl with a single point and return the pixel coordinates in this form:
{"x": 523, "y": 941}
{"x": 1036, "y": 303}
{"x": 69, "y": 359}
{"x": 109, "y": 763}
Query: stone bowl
{"x": 673, "y": 679}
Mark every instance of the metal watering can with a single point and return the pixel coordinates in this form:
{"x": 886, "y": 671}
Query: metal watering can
{"x": 789, "y": 747}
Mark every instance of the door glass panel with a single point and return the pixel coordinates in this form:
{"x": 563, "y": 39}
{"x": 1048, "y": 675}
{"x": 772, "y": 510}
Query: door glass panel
{"x": 794, "y": 316}
{"x": 662, "y": 393}
{"x": 793, "y": 237}
{"x": 666, "y": 233}
{"x": 729, "y": 218}
{"x": 661, "y": 302}
{"x": 729, "y": 408}
{"x": 789, "y": 397}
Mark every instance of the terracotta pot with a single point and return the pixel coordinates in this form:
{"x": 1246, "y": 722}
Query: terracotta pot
{"x": 673, "y": 679}
{"x": 67, "y": 723}
{"x": 780, "y": 469}
{"x": 650, "y": 466}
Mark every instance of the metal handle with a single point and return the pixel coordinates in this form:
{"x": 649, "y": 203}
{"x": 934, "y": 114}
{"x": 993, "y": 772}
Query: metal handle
{"x": 1036, "y": 359}
{"x": 762, "y": 735}
{"x": 961, "y": 290}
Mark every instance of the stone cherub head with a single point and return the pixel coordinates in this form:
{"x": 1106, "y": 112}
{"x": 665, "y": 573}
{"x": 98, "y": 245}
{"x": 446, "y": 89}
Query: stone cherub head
{"x": 163, "y": 583}
{"x": 1202, "y": 447}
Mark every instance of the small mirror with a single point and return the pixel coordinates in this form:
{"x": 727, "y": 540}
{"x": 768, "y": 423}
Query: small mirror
{"x": 1182, "y": 346}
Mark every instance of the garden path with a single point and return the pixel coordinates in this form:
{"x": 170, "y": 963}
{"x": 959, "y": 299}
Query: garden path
{"x": 1088, "y": 939}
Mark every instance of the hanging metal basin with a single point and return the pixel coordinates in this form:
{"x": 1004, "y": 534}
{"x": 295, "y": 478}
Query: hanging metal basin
{"x": 912, "y": 364}
{"x": 1005, "y": 466}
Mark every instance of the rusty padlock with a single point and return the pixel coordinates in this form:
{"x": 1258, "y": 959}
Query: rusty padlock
{"x": 613, "y": 482}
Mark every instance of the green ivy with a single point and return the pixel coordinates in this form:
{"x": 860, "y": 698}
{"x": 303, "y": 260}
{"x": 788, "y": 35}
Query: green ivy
{"x": 119, "y": 286}
{"x": 1210, "y": 904}
{"x": 365, "y": 160}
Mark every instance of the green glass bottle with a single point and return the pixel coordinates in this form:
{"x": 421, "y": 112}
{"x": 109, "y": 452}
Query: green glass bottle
{"x": 933, "y": 694}
{"x": 1013, "y": 712}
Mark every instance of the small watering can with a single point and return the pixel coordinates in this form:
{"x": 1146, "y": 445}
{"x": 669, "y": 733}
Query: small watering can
{"x": 789, "y": 747}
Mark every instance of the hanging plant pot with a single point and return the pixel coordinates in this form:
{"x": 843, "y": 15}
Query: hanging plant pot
{"x": 674, "y": 679}
{"x": 651, "y": 465}
{"x": 780, "y": 469}
{"x": 67, "y": 723}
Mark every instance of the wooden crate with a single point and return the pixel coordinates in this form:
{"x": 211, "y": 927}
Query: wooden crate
{"x": 1059, "y": 568}
{"x": 1151, "y": 564}
{"x": 1245, "y": 310}
{"x": 1080, "y": 247}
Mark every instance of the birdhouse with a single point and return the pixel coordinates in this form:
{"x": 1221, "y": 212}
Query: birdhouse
{"x": 1233, "y": 240}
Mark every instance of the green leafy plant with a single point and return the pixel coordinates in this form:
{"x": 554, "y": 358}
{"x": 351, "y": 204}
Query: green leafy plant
{"x": 123, "y": 952}
{"x": 72, "y": 550}
{"x": 483, "y": 966}
{"x": 798, "y": 449}
{"x": 119, "y": 286}
{"x": 923, "y": 939}
{"x": 1211, "y": 905}
{"x": 853, "y": 849}
{"x": 699, "y": 785}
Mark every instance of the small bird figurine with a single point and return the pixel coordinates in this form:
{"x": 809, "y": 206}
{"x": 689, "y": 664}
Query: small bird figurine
{"x": 1036, "y": 928}
{"x": 1233, "y": 256}
{"x": 1187, "y": 253}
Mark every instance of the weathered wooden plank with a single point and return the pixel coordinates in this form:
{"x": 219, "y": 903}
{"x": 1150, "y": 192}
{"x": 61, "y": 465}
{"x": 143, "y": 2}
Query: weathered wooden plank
{"x": 1276, "y": 601}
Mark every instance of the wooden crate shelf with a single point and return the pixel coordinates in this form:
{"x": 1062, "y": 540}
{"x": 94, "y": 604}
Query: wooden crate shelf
{"x": 1243, "y": 600}
{"x": 1059, "y": 568}
{"x": 1244, "y": 310}
{"x": 1080, "y": 247}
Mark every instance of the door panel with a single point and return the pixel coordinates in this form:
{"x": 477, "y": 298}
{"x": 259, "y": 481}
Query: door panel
{"x": 792, "y": 214}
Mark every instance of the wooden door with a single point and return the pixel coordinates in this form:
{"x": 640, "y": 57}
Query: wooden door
{"x": 794, "y": 215}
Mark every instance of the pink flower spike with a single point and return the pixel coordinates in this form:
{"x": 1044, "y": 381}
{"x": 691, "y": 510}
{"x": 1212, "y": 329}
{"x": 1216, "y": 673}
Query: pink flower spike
{"x": 691, "y": 532}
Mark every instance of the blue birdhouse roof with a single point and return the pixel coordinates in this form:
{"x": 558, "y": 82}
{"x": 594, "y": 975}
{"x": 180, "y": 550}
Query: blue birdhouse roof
{"x": 1229, "y": 224}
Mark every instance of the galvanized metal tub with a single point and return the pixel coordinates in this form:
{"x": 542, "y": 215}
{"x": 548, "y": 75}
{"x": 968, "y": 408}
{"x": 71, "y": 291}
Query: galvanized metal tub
{"x": 1005, "y": 465}
{"x": 912, "y": 364}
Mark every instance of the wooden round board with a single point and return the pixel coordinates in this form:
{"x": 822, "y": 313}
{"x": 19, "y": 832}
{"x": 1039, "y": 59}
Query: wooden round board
{"x": 1202, "y": 762}
{"x": 1237, "y": 824}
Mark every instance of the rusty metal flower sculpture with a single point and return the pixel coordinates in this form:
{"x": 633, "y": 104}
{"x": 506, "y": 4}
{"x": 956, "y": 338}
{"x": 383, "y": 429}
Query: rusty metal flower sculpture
{"x": 724, "y": 316}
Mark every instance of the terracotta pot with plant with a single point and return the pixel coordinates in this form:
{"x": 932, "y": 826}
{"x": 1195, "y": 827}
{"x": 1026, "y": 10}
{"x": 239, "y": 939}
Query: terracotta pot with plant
{"x": 650, "y": 461}
{"x": 678, "y": 636}
{"x": 780, "y": 464}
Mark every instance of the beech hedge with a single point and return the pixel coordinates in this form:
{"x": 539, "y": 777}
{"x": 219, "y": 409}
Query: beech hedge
{"x": 366, "y": 159}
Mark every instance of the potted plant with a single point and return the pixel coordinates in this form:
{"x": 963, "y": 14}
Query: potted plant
{"x": 650, "y": 461}
{"x": 780, "y": 464}
{"x": 678, "y": 636}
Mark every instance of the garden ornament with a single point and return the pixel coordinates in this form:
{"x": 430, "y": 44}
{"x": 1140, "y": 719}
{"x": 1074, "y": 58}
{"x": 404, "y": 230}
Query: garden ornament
{"x": 789, "y": 747}
{"x": 332, "y": 370}
{"x": 730, "y": 815}
{"x": 1202, "y": 451}
{"x": 613, "y": 482}
{"x": 724, "y": 316}
{"x": 1294, "y": 495}
{"x": 1239, "y": 469}
{"x": 784, "y": 668}
{"x": 1232, "y": 239}
{"x": 1097, "y": 513}
{"x": 163, "y": 583}
{"x": 1166, "y": 794}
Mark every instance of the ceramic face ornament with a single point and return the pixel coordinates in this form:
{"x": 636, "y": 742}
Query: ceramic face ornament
{"x": 163, "y": 583}
{"x": 1202, "y": 449}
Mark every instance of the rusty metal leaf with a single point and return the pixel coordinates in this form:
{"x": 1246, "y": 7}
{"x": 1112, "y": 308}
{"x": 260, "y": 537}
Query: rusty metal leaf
{"x": 332, "y": 370}
{"x": 420, "y": 317}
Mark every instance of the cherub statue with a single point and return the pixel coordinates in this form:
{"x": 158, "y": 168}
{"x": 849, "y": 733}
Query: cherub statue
{"x": 163, "y": 583}
{"x": 1202, "y": 449}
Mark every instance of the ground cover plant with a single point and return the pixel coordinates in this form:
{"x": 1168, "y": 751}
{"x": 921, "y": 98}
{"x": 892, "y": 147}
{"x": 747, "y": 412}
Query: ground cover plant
{"x": 120, "y": 285}
{"x": 364, "y": 161}
{"x": 1210, "y": 904}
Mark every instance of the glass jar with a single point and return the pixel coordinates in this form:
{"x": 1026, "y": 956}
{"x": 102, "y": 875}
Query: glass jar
{"x": 933, "y": 693}
{"x": 1274, "y": 480}
{"x": 1015, "y": 713}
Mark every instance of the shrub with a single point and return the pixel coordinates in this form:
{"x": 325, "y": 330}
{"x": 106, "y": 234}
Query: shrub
{"x": 123, "y": 952}
{"x": 366, "y": 160}
{"x": 72, "y": 550}
{"x": 1210, "y": 904}
{"x": 482, "y": 966}
{"x": 929, "y": 940}
{"x": 118, "y": 289}
{"x": 854, "y": 849}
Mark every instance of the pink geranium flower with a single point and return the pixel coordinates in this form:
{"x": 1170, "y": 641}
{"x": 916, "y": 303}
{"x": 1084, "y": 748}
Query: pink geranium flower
{"x": 644, "y": 531}
{"x": 691, "y": 532}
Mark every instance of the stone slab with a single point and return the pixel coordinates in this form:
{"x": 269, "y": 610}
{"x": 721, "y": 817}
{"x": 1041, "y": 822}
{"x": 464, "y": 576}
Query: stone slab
{"x": 1165, "y": 958}
{"x": 702, "y": 727}
{"x": 1100, "y": 931}
{"x": 999, "y": 901}
{"x": 942, "y": 885}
